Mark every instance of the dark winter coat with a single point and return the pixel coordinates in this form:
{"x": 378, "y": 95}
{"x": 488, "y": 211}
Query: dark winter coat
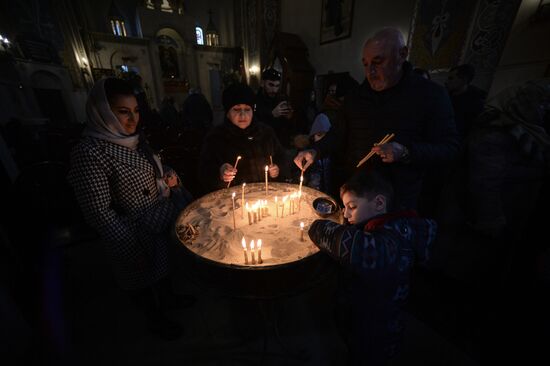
{"x": 416, "y": 110}
{"x": 264, "y": 112}
{"x": 226, "y": 141}
{"x": 380, "y": 255}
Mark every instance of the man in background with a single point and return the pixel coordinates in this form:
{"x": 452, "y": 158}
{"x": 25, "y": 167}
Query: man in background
{"x": 273, "y": 108}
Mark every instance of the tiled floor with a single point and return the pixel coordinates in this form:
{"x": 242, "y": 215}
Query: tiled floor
{"x": 99, "y": 325}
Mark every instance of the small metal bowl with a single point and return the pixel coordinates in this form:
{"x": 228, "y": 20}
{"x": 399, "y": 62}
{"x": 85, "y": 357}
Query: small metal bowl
{"x": 324, "y": 206}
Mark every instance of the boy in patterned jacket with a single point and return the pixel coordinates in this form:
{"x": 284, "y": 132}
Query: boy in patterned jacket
{"x": 378, "y": 246}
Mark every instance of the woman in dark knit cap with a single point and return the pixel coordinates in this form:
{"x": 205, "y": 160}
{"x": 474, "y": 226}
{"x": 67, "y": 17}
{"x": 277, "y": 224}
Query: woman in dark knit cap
{"x": 239, "y": 135}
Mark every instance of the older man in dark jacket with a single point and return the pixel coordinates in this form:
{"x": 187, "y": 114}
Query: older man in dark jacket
{"x": 392, "y": 99}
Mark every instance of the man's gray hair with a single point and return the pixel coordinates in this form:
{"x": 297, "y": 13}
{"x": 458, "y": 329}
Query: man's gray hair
{"x": 391, "y": 36}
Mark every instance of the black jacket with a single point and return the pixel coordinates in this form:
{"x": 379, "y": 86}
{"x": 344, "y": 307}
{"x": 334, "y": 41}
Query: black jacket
{"x": 264, "y": 112}
{"x": 225, "y": 142}
{"x": 416, "y": 110}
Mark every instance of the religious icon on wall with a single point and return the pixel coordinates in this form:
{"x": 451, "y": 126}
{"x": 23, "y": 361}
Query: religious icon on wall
{"x": 439, "y": 31}
{"x": 336, "y": 20}
{"x": 169, "y": 62}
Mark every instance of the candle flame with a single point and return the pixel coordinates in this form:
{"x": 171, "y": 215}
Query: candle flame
{"x": 244, "y": 185}
{"x": 301, "y": 178}
{"x": 266, "y": 168}
{"x": 243, "y": 242}
{"x": 239, "y": 157}
{"x": 276, "y": 198}
{"x": 302, "y": 225}
{"x": 252, "y": 245}
{"x": 259, "y": 243}
{"x": 233, "y": 195}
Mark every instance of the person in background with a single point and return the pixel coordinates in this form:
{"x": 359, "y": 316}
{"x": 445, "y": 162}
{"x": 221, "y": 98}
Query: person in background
{"x": 467, "y": 99}
{"x": 378, "y": 246}
{"x": 273, "y": 107}
{"x": 422, "y": 72}
{"x": 392, "y": 99}
{"x": 318, "y": 176}
{"x": 196, "y": 112}
{"x": 168, "y": 112}
{"x": 129, "y": 198}
{"x": 239, "y": 135}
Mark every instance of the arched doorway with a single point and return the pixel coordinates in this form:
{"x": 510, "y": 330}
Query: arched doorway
{"x": 48, "y": 91}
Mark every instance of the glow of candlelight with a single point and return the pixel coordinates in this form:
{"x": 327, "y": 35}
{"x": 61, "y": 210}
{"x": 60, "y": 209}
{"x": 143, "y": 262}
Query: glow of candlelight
{"x": 252, "y": 251}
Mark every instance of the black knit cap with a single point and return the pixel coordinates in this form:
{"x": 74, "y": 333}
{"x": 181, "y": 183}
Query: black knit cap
{"x": 238, "y": 94}
{"x": 271, "y": 74}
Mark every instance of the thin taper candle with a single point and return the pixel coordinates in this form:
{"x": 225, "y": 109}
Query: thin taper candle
{"x": 301, "y": 231}
{"x": 233, "y": 201}
{"x": 243, "y": 242}
{"x": 234, "y": 166}
{"x": 266, "y": 169}
{"x": 253, "y": 259}
{"x": 260, "y": 251}
{"x": 242, "y": 202}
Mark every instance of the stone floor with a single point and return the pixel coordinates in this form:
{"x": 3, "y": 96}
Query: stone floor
{"x": 97, "y": 324}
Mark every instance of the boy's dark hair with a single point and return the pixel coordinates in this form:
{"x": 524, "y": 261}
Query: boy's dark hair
{"x": 465, "y": 71}
{"x": 115, "y": 87}
{"x": 367, "y": 184}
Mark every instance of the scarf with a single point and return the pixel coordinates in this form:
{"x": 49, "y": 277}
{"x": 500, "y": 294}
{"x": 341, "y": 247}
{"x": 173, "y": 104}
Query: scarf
{"x": 379, "y": 221}
{"x": 104, "y": 125}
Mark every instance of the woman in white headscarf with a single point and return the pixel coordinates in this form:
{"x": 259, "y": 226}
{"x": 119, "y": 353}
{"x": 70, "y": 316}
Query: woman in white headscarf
{"x": 127, "y": 196}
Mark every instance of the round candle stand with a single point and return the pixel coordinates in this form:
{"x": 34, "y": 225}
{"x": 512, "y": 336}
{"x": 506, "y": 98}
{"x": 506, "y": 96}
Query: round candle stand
{"x": 281, "y": 275}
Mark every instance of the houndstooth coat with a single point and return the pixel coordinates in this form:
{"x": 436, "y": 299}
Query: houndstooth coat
{"x": 117, "y": 192}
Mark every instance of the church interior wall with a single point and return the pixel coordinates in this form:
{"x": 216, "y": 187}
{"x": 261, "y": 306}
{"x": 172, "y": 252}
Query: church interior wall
{"x": 523, "y": 57}
{"x": 343, "y": 55}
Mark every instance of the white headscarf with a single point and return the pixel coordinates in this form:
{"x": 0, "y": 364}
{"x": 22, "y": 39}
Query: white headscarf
{"x": 102, "y": 122}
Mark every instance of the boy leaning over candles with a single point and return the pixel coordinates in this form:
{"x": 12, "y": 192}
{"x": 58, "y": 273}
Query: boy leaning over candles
{"x": 377, "y": 247}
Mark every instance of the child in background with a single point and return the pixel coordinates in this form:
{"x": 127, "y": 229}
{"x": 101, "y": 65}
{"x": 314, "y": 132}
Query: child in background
{"x": 318, "y": 175}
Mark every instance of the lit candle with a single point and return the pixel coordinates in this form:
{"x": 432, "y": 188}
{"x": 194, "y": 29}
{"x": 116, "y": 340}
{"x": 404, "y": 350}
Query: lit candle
{"x": 302, "y": 231}
{"x": 266, "y": 169}
{"x": 271, "y": 159}
{"x": 233, "y": 201}
{"x": 248, "y": 212}
{"x": 276, "y": 207}
{"x": 243, "y": 242}
{"x": 300, "y": 190}
{"x": 252, "y": 252}
{"x": 260, "y": 251}
{"x": 234, "y": 166}
{"x": 283, "y": 209}
{"x": 242, "y": 202}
